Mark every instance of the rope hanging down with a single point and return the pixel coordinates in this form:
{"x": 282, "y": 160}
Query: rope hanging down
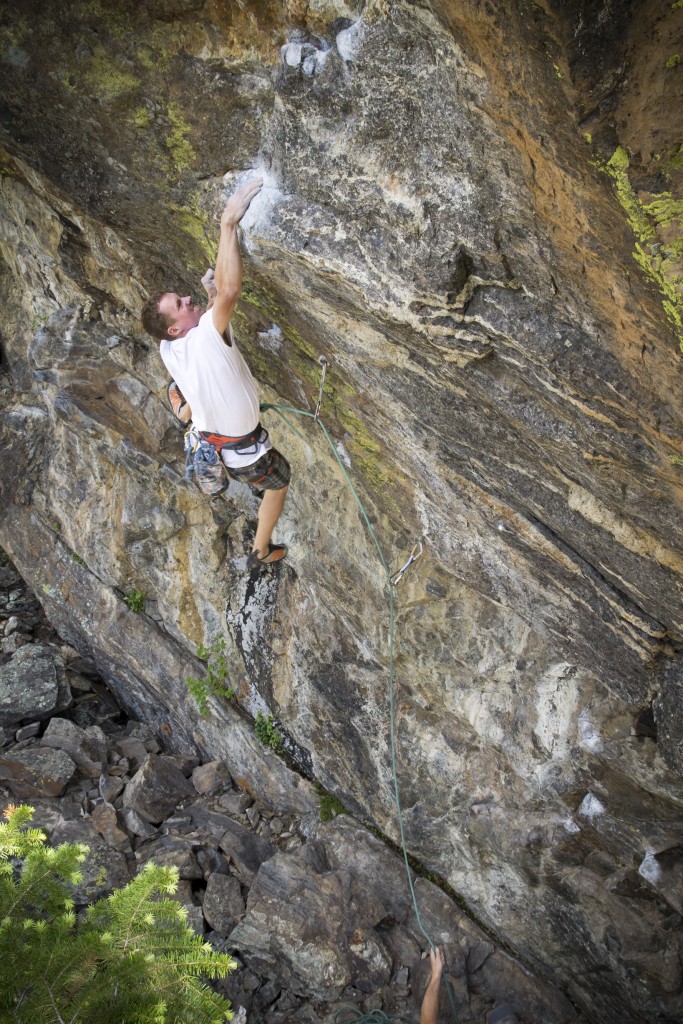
{"x": 392, "y": 579}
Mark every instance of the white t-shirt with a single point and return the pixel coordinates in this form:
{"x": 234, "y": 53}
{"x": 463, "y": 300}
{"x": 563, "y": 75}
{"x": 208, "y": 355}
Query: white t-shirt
{"x": 217, "y": 384}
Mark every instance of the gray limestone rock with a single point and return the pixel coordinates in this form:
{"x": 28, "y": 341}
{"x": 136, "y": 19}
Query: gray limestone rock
{"x": 82, "y": 747}
{"x": 35, "y": 771}
{"x": 505, "y": 384}
{"x": 104, "y": 868}
{"x": 208, "y": 778}
{"x": 136, "y": 825}
{"x": 313, "y": 927}
{"x": 32, "y": 685}
{"x": 246, "y": 850}
{"x": 223, "y": 904}
{"x": 105, "y": 820}
{"x": 156, "y": 789}
{"x": 171, "y": 851}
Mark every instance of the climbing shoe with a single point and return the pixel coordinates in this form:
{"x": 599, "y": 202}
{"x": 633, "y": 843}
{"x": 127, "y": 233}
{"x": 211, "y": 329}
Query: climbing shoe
{"x": 276, "y": 552}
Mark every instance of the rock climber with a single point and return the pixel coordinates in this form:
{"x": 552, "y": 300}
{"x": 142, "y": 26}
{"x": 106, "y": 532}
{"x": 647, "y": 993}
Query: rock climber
{"x": 200, "y": 353}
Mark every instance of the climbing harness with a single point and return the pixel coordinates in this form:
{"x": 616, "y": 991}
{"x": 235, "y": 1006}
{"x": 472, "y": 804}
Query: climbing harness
{"x": 245, "y": 445}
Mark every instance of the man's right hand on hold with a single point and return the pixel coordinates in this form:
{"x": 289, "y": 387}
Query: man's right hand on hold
{"x": 238, "y": 203}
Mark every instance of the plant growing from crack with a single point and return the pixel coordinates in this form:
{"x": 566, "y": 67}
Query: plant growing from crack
{"x": 135, "y": 600}
{"x": 330, "y": 807}
{"x": 213, "y": 684}
{"x": 268, "y": 733}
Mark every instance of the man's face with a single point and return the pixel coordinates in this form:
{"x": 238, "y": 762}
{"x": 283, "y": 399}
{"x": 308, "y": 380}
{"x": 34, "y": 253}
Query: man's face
{"x": 181, "y": 312}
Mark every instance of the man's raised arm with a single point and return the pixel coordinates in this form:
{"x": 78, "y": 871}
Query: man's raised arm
{"x": 228, "y": 275}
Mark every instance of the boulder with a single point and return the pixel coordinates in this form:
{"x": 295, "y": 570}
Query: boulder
{"x": 209, "y": 778}
{"x": 32, "y": 685}
{"x": 105, "y": 820}
{"x": 135, "y": 824}
{"x": 85, "y": 750}
{"x": 156, "y": 789}
{"x": 311, "y": 928}
{"x": 223, "y": 903}
{"x": 36, "y": 771}
{"x": 104, "y": 869}
{"x": 110, "y": 787}
{"x": 171, "y": 851}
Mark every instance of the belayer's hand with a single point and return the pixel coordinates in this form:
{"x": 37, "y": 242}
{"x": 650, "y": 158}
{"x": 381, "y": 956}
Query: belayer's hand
{"x": 238, "y": 203}
{"x": 437, "y": 961}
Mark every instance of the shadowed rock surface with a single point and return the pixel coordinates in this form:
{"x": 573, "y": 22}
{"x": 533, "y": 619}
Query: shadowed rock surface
{"x": 504, "y": 383}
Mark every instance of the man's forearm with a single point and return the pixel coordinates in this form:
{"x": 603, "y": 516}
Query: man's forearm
{"x": 430, "y": 1004}
{"x": 228, "y": 275}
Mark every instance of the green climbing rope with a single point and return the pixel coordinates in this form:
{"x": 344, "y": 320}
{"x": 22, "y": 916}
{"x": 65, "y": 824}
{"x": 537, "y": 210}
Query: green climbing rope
{"x": 390, "y": 585}
{"x": 377, "y": 1016}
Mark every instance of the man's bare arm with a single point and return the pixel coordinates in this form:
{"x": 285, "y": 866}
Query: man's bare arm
{"x": 228, "y": 274}
{"x": 430, "y": 1003}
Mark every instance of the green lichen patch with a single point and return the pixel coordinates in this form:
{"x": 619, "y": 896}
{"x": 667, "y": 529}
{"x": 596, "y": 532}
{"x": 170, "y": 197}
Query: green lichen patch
{"x": 663, "y": 213}
{"x": 107, "y": 76}
{"x": 673, "y": 61}
{"x": 195, "y": 223}
{"x": 617, "y": 168}
{"x": 266, "y": 302}
{"x": 177, "y": 142}
{"x": 141, "y": 118}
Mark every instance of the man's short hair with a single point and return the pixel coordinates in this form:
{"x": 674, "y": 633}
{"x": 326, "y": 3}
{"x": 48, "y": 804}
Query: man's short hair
{"x": 155, "y": 322}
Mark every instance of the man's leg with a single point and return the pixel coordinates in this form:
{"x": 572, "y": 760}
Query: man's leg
{"x": 271, "y": 508}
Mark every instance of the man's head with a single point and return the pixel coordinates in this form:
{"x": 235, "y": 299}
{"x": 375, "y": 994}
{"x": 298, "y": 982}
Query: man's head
{"x": 169, "y": 315}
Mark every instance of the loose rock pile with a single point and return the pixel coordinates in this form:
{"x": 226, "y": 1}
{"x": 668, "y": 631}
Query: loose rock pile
{"x": 317, "y": 914}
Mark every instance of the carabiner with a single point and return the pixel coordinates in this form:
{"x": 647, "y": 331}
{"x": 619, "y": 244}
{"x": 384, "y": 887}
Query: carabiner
{"x": 413, "y": 557}
{"x": 324, "y": 364}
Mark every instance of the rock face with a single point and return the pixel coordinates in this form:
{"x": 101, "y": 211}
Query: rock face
{"x": 504, "y": 383}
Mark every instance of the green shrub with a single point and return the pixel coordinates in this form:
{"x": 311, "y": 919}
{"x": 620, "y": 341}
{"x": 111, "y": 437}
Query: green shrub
{"x": 330, "y": 807}
{"x": 131, "y": 958}
{"x": 135, "y": 600}
{"x": 213, "y": 683}
{"x": 268, "y": 733}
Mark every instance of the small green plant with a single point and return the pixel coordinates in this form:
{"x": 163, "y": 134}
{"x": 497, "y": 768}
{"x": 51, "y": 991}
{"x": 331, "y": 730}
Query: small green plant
{"x": 130, "y": 957}
{"x": 78, "y": 560}
{"x": 676, "y": 460}
{"x": 330, "y": 807}
{"x": 213, "y": 683}
{"x": 674, "y": 61}
{"x": 268, "y": 733}
{"x": 135, "y": 600}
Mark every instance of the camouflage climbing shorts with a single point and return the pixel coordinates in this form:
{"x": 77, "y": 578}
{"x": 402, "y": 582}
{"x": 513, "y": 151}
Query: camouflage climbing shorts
{"x": 269, "y": 473}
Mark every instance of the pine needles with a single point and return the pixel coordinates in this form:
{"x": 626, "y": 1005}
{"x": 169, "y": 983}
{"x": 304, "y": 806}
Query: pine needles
{"x": 131, "y": 960}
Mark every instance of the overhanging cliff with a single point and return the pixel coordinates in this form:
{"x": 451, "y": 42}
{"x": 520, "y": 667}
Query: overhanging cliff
{"x": 505, "y": 383}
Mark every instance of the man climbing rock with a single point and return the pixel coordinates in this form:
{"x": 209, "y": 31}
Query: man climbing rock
{"x": 199, "y": 351}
